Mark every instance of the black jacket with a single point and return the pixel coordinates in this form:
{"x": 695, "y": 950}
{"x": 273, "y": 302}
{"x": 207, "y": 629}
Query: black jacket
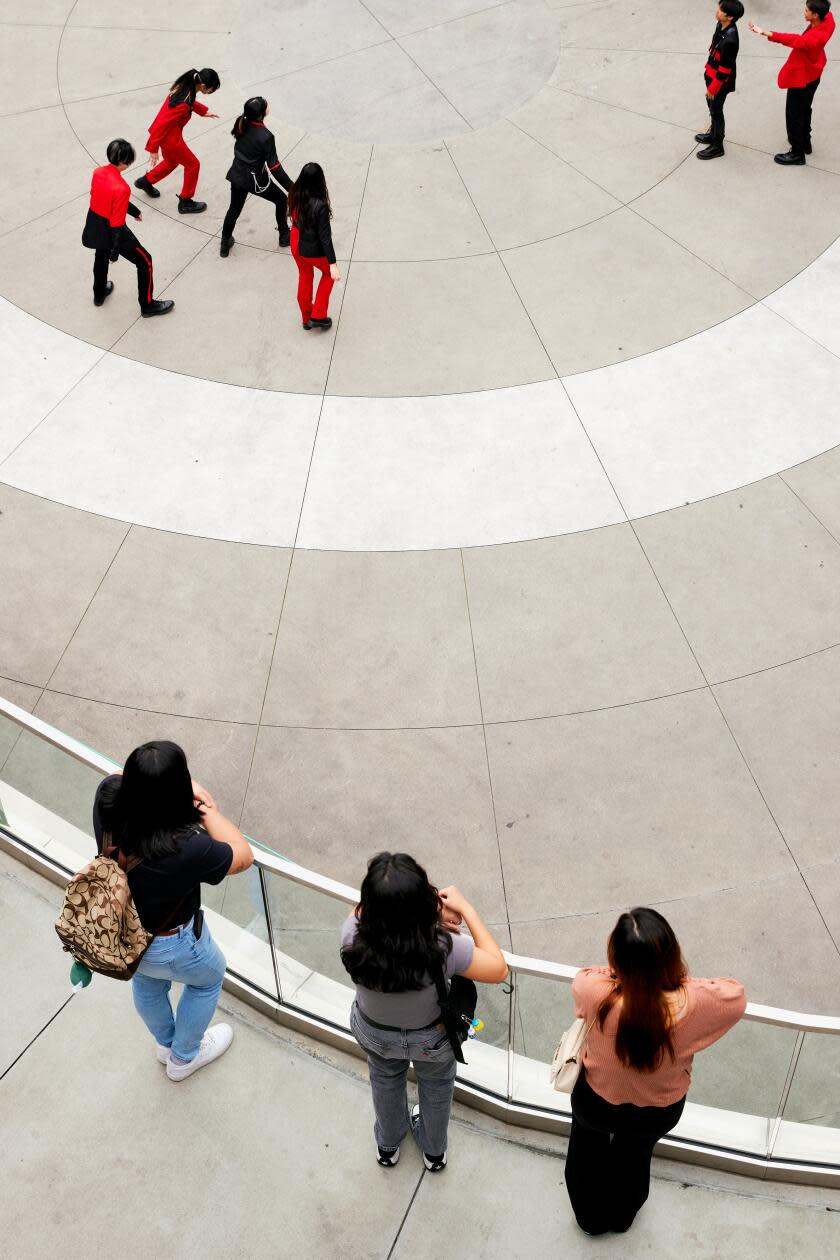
{"x": 254, "y": 155}
{"x": 316, "y": 237}
{"x": 720, "y": 66}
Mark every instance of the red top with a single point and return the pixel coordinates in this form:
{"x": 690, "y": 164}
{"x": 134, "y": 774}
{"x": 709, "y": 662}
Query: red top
{"x": 807, "y": 60}
{"x": 171, "y": 119}
{"x": 109, "y": 194}
{"x": 711, "y": 1008}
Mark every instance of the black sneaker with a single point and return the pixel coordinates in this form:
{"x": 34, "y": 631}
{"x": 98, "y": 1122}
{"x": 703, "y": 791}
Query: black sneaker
{"x": 109, "y": 289}
{"x": 186, "y": 205}
{"x": 149, "y": 189}
{"x": 434, "y": 1163}
{"x": 387, "y": 1159}
{"x": 157, "y": 308}
{"x": 227, "y": 244}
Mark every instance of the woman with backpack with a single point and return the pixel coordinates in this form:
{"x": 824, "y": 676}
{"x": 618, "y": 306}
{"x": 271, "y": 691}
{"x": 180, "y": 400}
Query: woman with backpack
{"x": 399, "y": 943}
{"x": 169, "y": 835}
{"x": 256, "y": 169}
{"x": 312, "y": 245}
{"x": 166, "y": 137}
{"x": 646, "y": 1019}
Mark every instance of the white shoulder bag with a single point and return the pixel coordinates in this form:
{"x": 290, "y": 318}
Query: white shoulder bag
{"x": 566, "y": 1064}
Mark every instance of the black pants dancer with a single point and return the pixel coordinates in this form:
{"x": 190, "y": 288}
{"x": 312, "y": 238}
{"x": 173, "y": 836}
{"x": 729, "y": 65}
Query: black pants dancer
{"x": 718, "y": 123}
{"x": 608, "y": 1163}
{"x": 130, "y": 249}
{"x": 238, "y": 197}
{"x": 798, "y": 104}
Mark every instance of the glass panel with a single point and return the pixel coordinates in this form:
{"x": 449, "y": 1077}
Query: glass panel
{"x": 814, "y": 1096}
{"x": 307, "y": 927}
{"x": 811, "y": 1126}
{"x": 544, "y": 1010}
{"x": 47, "y": 798}
{"x": 235, "y": 912}
{"x": 746, "y": 1070}
{"x": 486, "y": 1054}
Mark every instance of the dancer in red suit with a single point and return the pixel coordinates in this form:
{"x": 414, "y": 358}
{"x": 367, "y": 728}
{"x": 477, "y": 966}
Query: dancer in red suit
{"x": 105, "y": 231}
{"x": 166, "y": 137}
{"x": 801, "y": 74}
{"x": 310, "y": 212}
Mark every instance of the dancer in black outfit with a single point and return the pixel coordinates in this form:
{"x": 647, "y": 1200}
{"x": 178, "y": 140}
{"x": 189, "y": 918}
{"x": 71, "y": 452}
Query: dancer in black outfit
{"x": 256, "y": 169}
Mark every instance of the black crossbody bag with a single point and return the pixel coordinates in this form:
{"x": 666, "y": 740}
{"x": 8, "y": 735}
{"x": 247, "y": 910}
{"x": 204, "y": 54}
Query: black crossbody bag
{"x": 457, "y": 1007}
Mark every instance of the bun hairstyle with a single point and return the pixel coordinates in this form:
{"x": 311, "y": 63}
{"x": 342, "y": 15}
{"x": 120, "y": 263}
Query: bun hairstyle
{"x": 183, "y": 89}
{"x": 252, "y": 111}
{"x": 647, "y": 963}
{"x": 120, "y": 151}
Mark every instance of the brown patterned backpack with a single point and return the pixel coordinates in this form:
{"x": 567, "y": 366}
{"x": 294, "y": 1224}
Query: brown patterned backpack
{"x": 99, "y": 924}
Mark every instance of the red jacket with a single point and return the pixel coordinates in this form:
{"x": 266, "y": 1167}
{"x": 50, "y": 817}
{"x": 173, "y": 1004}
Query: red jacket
{"x": 109, "y": 204}
{"x": 169, "y": 122}
{"x": 807, "y": 61}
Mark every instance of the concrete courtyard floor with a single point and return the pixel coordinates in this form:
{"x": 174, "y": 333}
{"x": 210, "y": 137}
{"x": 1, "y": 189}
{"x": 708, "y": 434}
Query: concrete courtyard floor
{"x": 269, "y": 1152}
{"x": 531, "y": 565}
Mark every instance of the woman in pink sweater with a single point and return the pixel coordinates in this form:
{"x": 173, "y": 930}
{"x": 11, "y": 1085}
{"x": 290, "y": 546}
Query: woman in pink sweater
{"x": 648, "y": 1019}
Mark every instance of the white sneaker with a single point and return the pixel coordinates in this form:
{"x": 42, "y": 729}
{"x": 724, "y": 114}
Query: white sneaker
{"x": 214, "y": 1043}
{"x": 162, "y": 1053}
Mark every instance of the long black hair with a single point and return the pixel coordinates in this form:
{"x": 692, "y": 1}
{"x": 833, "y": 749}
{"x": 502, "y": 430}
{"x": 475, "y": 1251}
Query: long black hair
{"x": 399, "y": 935}
{"x": 252, "y": 111}
{"x": 646, "y": 960}
{"x": 309, "y": 187}
{"x": 151, "y": 804}
{"x": 183, "y": 89}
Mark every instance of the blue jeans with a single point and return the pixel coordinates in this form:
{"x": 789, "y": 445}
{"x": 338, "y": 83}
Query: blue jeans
{"x": 200, "y": 967}
{"x": 388, "y": 1054}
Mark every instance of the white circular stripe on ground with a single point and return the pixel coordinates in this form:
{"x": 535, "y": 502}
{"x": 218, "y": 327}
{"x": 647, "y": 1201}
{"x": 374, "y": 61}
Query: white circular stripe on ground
{"x": 742, "y": 401}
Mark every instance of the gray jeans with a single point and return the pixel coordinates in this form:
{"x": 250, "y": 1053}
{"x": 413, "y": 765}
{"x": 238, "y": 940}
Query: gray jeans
{"x": 389, "y": 1054}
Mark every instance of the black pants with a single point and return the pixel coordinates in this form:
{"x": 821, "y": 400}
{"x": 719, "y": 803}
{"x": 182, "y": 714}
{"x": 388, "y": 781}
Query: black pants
{"x": 718, "y": 124}
{"x": 798, "y": 116}
{"x": 608, "y": 1164}
{"x": 130, "y": 249}
{"x": 238, "y": 197}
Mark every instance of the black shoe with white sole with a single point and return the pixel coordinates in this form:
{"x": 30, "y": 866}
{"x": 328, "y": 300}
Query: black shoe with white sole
{"x": 433, "y": 1163}
{"x": 387, "y": 1159}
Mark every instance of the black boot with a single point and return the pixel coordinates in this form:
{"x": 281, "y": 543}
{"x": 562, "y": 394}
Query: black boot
{"x": 149, "y": 189}
{"x": 285, "y": 239}
{"x": 186, "y": 205}
{"x": 226, "y": 246}
{"x": 321, "y": 323}
{"x": 704, "y": 137}
{"x": 714, "y": 150}
{"x": 109, "y": 289}
{"x": 790, "y": 158}
{"x": 157, "y": 307}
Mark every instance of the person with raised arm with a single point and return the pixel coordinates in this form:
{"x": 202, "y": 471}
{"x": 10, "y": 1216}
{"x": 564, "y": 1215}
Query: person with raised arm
{"x": 800, "y": 75}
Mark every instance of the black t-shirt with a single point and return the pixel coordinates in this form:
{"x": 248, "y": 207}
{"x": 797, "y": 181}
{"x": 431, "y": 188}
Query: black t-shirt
{"x": 167, "y": 890}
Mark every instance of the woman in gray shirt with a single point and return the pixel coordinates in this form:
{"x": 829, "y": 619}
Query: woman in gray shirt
{"x": 400, "y": 931}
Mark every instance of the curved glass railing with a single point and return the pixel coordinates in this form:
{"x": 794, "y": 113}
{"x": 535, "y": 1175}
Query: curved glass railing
{"x": 765, "y": 1100}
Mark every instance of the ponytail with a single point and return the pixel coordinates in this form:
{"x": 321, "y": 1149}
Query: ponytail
{"x": 183, "y": 89}
{"x": 252, "y": 111}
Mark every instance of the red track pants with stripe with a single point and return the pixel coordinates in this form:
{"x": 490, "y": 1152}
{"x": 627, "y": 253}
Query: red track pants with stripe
{"x": 174, "y": 154}
{"x": 130, "y": 249}
{"x": 306, "y": 278}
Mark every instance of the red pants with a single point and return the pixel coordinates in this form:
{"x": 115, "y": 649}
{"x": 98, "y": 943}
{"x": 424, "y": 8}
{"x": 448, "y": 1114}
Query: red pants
{"x": 174, "y": 155}
{"x": 306, "y": 279}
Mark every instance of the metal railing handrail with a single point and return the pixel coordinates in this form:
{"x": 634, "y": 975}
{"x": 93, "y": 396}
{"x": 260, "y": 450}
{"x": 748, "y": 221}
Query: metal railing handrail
{"x": 268, "y": 860}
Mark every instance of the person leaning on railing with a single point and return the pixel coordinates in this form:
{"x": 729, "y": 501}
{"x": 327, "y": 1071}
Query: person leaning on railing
{"x": 400, "y": 933}
{"x": 648, "y": 1019}
{"x": 170, "y": 836}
